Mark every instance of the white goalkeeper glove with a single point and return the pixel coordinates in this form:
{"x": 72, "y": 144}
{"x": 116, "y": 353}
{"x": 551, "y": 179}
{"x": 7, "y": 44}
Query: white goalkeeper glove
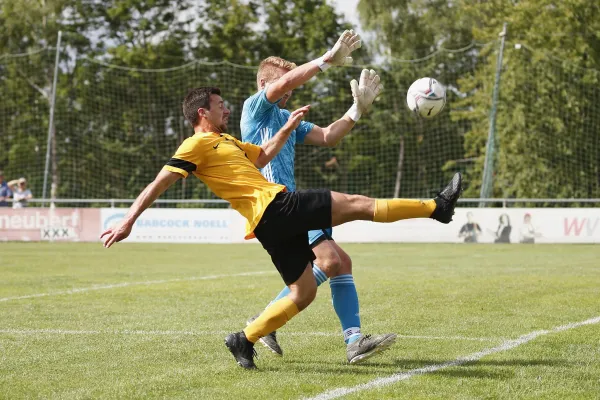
{"x": 364, "y": 93}
{"x": 340, "y": 53}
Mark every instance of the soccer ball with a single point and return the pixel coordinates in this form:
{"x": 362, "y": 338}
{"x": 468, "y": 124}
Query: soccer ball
{"x": 426, "y": 97}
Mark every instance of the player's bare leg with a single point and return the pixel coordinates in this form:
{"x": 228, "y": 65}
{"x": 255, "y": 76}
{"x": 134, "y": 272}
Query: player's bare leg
{"x": 330, "y": 261}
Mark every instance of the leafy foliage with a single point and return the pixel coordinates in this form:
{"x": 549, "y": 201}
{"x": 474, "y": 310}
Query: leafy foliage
{"x": 116, "y": 126}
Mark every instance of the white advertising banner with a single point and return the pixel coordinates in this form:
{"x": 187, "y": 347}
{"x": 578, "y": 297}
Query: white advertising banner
{"x": 176, "y": 225}
{"x": 470, "y": 225}
{"x": 485, "y": 225}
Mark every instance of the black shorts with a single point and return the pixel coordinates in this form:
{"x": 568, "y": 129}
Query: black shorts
{"x": 283, "y": 229}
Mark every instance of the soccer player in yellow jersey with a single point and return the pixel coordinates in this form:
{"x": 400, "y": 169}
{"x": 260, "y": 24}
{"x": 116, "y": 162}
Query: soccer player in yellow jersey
{"x": 280, "y": 220}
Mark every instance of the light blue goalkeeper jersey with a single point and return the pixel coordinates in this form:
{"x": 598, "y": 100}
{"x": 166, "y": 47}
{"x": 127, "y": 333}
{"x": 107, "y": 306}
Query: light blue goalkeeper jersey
{"x": 261, "y": 120}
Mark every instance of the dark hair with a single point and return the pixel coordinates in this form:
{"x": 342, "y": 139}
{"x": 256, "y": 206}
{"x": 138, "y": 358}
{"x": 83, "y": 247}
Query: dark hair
{"x": 507, "y": 219}
{"x": 195, "y": 99}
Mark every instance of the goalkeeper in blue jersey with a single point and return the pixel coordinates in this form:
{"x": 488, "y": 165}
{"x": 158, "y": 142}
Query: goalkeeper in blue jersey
{"x": 263, "y": 115}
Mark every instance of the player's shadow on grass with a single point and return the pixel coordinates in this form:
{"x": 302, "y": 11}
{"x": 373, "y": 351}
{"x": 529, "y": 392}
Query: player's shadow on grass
{"x": 464, "y": 372}
{"x": 524, "y": 362}
{"x": 332, "y": 367}
{"x": 467, "y": 369}
{"x": 320, "y": 368}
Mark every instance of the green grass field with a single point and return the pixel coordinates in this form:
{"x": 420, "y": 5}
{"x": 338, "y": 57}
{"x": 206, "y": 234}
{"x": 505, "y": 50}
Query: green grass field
{"x": 148, "y": 321}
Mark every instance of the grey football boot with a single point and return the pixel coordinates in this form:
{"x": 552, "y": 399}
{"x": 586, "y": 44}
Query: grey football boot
{"x": 241, "y": 349}
{"x": 446, "y": 200}
{"x": 368, "y": 346}
{"x": 269, "y": 341}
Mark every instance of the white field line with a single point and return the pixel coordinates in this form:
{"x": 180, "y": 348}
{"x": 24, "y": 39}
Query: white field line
{"x": 126, "y": 284}
{"x": 401, "y": 376}
{"x": 206, "y": 333}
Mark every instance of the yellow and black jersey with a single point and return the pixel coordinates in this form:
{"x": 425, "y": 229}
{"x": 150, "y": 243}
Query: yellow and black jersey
{"x": 226, "y": 166}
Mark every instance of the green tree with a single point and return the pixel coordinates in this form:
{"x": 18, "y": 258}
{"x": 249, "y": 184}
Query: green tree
{"x": 26, "y": 81}
{"x": 547, "y": 122}
{"x": 116, "y": 121}
{"x": 428, "y": 152}
{"x": 227, "y": 31}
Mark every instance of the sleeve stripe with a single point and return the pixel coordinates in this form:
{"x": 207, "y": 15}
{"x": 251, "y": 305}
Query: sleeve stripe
{"x": 182, "y": 164}
{"x": 176, "y": 170}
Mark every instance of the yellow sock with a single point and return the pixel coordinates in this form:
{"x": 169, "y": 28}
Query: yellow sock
{"x": 397, "y": 209}
{"x": 273, "y": 318}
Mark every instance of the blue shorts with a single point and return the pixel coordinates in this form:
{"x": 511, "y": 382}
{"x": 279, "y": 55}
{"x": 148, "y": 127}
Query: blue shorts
{"x": 317, "y": 236}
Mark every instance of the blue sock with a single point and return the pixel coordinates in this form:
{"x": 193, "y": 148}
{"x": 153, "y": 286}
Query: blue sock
{"x": 345, "y": 303}
{"x": 319, "y": 276}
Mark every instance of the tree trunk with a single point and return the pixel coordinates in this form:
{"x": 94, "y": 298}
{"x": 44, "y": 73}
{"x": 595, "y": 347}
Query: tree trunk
{"x": 399, "y": 168}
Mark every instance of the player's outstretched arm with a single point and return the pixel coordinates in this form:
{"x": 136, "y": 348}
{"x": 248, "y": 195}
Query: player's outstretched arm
{"x": 364, "y": 93}
{"x": 163, "y": 181}
{"x": 338, "y": 55}
{"x": 275, "y": 144}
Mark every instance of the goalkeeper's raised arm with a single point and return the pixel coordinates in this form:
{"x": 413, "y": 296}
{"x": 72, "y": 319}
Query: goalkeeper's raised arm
{"x": 364, "y": 93}
{"x": 338, "y": 55}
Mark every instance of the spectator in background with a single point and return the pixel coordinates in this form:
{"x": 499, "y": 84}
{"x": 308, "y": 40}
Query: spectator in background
{"x": 20, "y": 192}
{"x": 504, "y": 229}
{"x": 528, "y": 232}
{"x": 471, "y": 230}
{"x": 5, "y": 192}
